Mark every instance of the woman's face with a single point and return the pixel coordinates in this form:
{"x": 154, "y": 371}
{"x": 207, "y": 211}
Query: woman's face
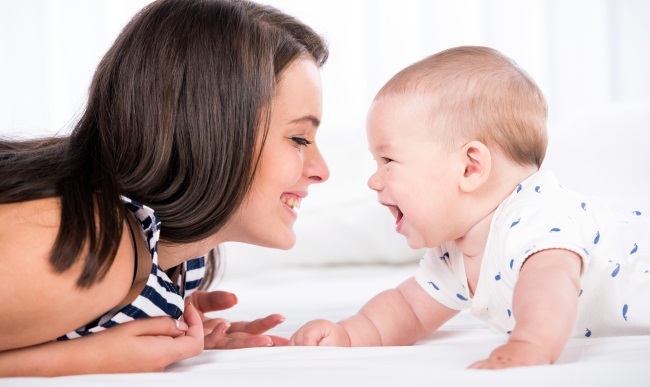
{"x": 289, "y": 164}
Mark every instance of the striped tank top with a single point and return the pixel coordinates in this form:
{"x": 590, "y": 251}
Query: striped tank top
{"x": 160, "y": 296}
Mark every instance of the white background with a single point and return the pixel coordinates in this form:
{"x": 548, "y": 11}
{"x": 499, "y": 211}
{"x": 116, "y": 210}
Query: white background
{"x": 588, "y": 56}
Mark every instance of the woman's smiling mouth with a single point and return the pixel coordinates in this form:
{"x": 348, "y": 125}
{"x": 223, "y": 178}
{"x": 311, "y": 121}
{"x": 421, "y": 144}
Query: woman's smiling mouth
{"x": 291, "y": 200}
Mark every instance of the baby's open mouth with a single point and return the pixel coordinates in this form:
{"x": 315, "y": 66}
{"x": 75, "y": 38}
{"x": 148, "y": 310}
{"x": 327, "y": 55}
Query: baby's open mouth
{"x": 397, "y": 213}
{"x": 399, "y": 216}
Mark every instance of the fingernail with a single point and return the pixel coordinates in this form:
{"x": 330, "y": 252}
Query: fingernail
{"x": 181, "y": 325}
{"x": 226, "y": 326}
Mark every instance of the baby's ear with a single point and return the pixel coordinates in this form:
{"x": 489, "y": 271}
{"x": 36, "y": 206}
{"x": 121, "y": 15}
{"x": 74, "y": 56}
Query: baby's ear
{"x": 478, "y": 163}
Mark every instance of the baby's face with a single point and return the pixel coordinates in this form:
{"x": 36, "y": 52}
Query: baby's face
{"x": 415, "y": 178}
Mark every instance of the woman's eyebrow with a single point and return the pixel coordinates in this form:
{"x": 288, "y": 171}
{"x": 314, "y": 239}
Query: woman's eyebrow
{"x": 309, "y": 118}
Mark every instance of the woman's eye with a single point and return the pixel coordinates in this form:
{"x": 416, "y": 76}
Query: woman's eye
{"x": 300, "y": 141}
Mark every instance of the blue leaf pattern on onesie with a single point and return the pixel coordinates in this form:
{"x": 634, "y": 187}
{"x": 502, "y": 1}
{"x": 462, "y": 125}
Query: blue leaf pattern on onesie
{"x": 538, "y": 189}
{"x": 597, "y": 238}
{"x": 516, "y": 222}
{"x": 615, "y": 272}
{"x": 509, "y": 313}
{"x": 588, "y": 333}
{"x": 434, "y": 285}
{"x": 555, "y": 229}
{"x": 584, "y": 206}
{"x": 497, "y": 277}
{"x": 518, "y": 188}
{"x": 634, "y": 250}
{"x": 512, "y": 261}
{"x": 461, "y": 297}
{"x": 625, "y": 312}
{"x": 637, "y": 213}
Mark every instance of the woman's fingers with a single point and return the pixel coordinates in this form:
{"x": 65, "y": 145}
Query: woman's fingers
{"x": 194, "y": 323}
{"x": 219, "y": 340}
{"x": 258, "y": 326}
{"x": 279, "y": 341}
{"x": 155, "y": 326}
{"x": 192, "y": 343}
{"x": 217, "y": 336}
{"x": 212, "y": 301}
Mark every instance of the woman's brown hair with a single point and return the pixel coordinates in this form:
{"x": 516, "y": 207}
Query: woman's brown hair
{"x": 175, "y": 111}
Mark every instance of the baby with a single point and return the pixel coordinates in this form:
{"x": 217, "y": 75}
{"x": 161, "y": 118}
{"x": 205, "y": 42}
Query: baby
{"x": 459, "y": 139}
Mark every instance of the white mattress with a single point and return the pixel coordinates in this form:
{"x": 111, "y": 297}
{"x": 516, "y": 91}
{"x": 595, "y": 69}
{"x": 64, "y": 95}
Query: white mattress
{"x": 315, "y": 280}
{"x": 333, "y": 292}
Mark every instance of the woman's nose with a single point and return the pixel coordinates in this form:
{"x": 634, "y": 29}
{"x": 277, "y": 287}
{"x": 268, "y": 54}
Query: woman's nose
{"x": 316, "y": 168}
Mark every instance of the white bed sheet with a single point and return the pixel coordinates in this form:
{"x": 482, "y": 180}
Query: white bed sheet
{"x": 333, "y": 292}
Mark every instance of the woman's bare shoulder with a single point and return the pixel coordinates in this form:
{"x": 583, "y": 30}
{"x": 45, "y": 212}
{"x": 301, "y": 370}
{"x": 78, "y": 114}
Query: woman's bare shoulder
{"x": 28, "y": 227}
{"x": 40, "y": 303}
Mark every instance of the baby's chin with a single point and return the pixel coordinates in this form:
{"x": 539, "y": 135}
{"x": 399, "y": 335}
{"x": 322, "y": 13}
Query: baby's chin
{"x": 416, "y": 244}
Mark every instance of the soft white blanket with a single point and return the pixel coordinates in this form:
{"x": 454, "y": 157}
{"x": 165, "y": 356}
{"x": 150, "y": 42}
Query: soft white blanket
{"x": 304, "y": 293}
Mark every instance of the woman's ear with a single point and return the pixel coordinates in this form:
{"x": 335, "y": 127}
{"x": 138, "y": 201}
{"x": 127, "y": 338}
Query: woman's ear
{"x": 478, "y": 164}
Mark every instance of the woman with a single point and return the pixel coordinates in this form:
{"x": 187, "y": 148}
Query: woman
{"x": 199, "y": 129}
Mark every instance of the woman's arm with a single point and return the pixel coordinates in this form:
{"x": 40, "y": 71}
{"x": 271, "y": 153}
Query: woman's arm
{"x": 545, "y": 304}
{"x": 144, "y": 345}
{"x": 40, "y": 304}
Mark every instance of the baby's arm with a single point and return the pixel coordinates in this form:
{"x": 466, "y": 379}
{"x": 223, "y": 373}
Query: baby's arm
{"x": 399, "y": 316}
{"x": 545, "y": 303}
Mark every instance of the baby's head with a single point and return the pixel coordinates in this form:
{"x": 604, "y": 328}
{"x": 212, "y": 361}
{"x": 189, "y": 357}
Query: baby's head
{"x": 448, "y": 134}
{"x": 476, "y": 93}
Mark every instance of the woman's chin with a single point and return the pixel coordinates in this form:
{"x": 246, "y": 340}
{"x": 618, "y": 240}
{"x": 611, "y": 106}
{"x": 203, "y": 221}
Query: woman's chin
{"x": 284, "y": 242}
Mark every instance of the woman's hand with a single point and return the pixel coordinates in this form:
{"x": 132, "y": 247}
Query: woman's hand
{"x": 222, "y": 334}
{"x": 142, "y": 345}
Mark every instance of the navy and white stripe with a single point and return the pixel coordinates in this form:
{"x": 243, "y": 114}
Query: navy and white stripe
{"x": 160, "y": 296}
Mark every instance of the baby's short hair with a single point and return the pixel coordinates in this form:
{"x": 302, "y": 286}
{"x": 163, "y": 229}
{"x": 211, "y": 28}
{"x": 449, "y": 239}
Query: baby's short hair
{"x": 477, "y": 93}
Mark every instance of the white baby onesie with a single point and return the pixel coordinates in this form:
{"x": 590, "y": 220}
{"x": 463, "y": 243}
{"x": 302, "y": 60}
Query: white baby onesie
{"x": 540, "y": 214}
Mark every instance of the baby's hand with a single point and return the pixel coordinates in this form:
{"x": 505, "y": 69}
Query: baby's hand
{"x": 321, "y": 333}
{"x": 515, "y": 354}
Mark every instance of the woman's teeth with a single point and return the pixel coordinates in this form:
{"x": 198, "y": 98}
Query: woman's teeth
{"x": 292, "y": 202}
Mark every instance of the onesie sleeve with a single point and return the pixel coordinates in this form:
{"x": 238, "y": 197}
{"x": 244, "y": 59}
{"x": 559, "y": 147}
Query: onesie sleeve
{"x": 441, "y": 279}
{"x": 530, "y": 229}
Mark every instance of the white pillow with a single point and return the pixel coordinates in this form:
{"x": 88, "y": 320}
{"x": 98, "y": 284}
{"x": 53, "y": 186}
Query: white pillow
{"x": 602, "y": 153}
{"x": 605, "y": 153}
{"x": 354, "y": 231}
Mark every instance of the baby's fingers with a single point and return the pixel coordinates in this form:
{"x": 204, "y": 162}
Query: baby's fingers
{"x": 306, "y": 337}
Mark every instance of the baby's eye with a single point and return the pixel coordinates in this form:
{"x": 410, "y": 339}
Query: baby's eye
{"x": 387, "y": 160}
{"x": 300, "y": 141}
